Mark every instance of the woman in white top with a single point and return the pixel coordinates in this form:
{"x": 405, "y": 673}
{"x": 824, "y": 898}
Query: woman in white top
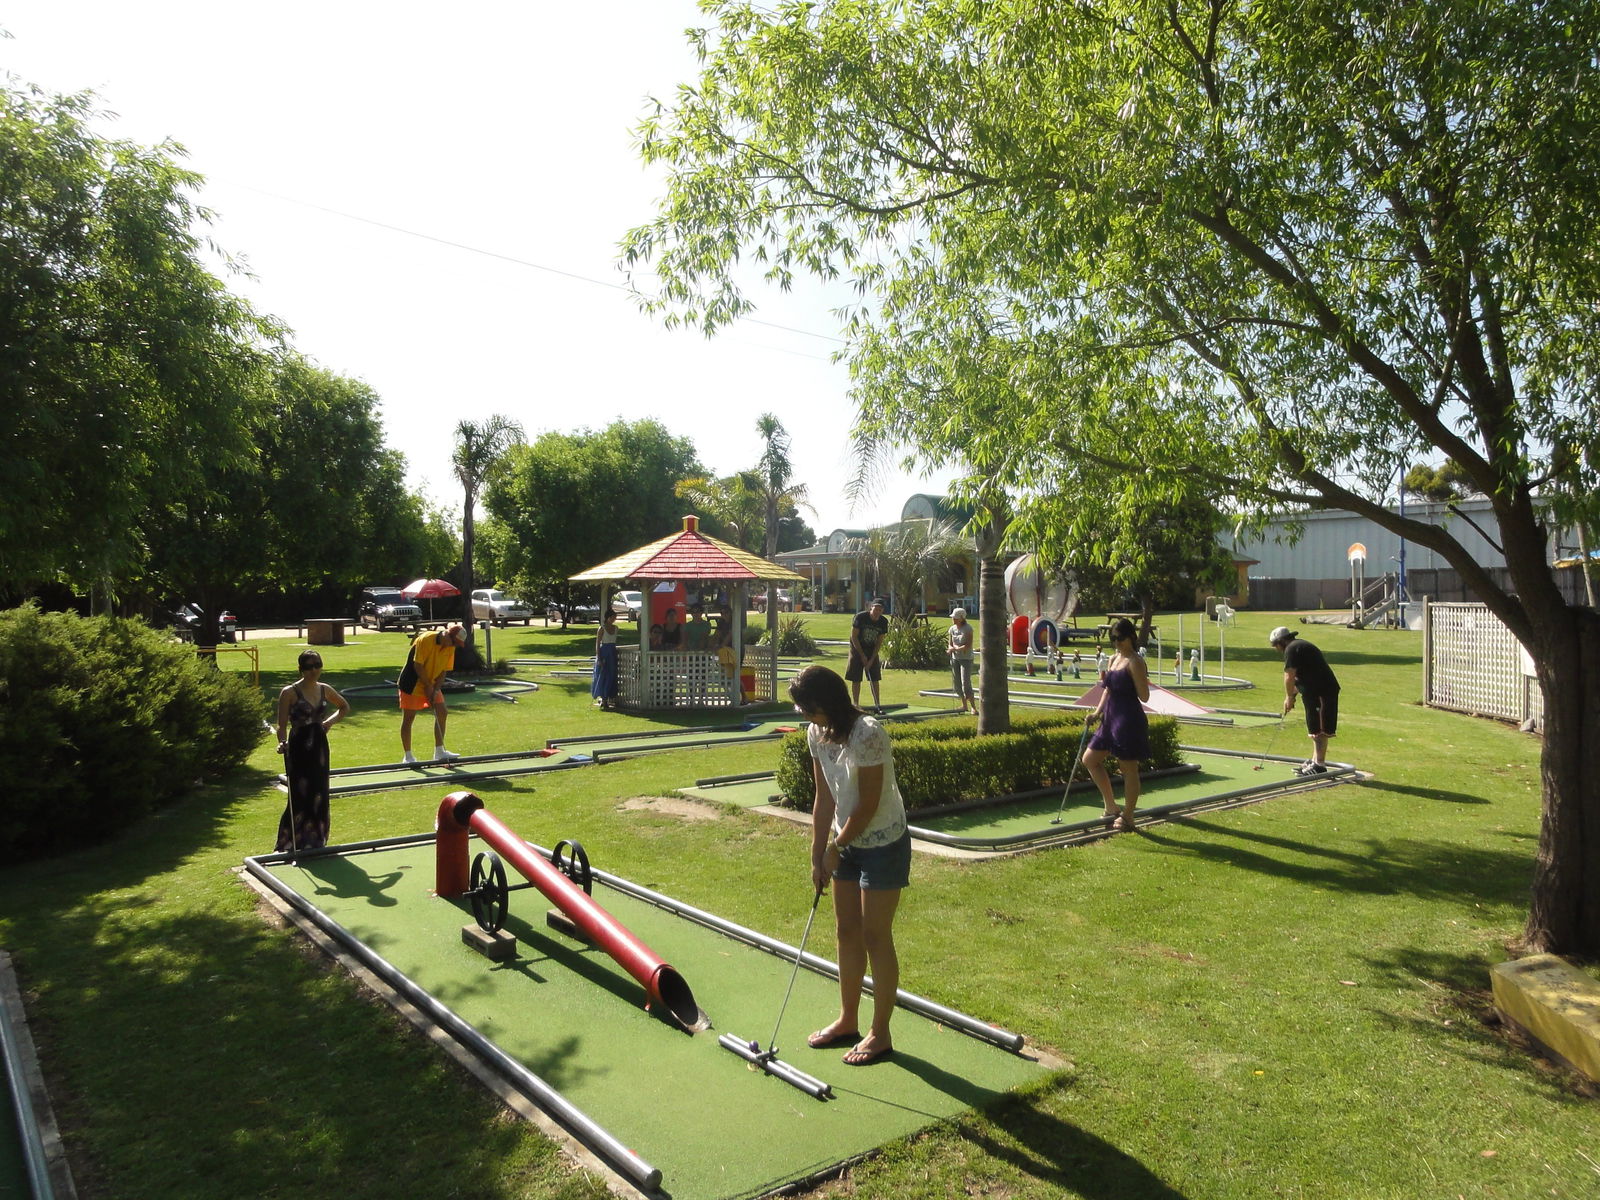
{"x": 860, "y": 841}
{"x": 961, "y": 660}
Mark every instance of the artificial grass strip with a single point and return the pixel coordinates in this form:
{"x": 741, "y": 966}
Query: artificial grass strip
{"x": 570, "y": 1014}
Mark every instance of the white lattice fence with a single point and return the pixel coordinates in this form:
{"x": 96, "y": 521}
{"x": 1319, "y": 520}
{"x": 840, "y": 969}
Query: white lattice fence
{"x": 1472, "y": 663}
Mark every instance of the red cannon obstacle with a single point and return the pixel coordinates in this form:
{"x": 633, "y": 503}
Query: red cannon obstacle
{"x": 462, "y": 813}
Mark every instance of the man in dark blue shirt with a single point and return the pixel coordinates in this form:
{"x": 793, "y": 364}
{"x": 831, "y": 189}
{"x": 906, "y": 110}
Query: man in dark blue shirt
{"x": 1306, "y": 673}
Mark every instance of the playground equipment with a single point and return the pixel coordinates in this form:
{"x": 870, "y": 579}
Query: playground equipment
{"x": 1030, "y": 593}
{"x": 565, "y": 882}
{"x": 1040, "y": 604}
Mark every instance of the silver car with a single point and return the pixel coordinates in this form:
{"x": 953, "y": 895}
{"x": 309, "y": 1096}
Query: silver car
{"x": 494, "y": 606}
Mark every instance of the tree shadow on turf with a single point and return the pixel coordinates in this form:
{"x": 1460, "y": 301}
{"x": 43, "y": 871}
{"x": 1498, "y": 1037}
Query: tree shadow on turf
{"x": 1423, "y": 793}
{"x": 1434, "y": 870}
{"x": 1461, "y": 1018}
{"x": 1041, "y": 1145}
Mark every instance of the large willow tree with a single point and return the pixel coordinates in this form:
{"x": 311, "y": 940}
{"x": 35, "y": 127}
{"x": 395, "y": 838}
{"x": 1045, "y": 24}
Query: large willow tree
{"x": 1272, "y": 249}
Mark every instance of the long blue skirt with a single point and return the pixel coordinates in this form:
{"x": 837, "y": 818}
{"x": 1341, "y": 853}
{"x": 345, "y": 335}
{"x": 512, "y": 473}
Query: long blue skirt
{"x": 604, "y": 685}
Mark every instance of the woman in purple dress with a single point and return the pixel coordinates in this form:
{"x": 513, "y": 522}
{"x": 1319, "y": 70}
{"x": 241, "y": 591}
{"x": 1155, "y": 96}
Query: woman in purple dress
{"x": 1124, "y": 729}
{"x": 305, "y": 710}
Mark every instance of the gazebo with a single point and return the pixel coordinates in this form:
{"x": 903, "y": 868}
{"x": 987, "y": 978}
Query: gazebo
{"x": 664, "y": 571}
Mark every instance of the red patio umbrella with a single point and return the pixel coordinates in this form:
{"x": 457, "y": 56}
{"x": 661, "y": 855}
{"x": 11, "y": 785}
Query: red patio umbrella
{"x": 429, "y": 590}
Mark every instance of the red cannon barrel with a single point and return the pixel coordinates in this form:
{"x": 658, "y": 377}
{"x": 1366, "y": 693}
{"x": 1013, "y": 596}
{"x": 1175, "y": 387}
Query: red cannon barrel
{"x": 461, "y": 812}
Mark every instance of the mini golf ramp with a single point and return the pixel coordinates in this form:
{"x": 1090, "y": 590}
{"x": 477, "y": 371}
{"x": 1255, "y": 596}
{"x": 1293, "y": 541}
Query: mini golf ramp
{"x": 670, "y": 1112}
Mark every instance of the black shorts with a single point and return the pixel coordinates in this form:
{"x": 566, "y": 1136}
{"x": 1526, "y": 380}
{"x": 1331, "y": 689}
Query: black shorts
{"x": 854, "y": 669}
{"x": 1322, "y": 713}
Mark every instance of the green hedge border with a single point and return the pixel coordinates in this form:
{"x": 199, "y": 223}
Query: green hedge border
{"x": 945, "y": 761}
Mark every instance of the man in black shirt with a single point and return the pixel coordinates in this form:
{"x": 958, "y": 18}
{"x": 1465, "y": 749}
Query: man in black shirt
{"x": 866, "y": 631}
{"x": 1306, "y": 673}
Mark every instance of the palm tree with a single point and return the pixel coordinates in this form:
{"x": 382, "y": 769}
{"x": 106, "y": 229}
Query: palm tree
{"x": 480, "y": 450}
{"x": 909, "y": 556}
{"x": 772, "y": 480}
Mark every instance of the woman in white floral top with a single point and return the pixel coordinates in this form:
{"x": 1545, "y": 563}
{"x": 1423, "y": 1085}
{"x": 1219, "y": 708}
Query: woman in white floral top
{"x": 860, "y": 841}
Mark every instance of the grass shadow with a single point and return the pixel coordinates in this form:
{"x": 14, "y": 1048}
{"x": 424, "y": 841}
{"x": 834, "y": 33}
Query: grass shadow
{"x": 1431, "y": 870}
{"x": 1019, "y": 1131}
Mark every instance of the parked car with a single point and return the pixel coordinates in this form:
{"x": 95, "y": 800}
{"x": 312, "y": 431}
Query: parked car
{"x": 189, "y": 619}
{"x": 578, "y": 614}
{"x": 384, "y": 607}
{"x": 628, "y": 605}
{"x": 494, "y": 606}
{"x": 759, "y": 600}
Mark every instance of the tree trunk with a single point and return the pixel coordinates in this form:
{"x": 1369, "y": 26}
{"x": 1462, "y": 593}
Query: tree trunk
{"x": 1564, "y": 916}
{"x": 994, "y": 695}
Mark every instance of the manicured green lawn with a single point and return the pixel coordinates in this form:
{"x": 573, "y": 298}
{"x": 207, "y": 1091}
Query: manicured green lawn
{"x": 1285, "y": 999}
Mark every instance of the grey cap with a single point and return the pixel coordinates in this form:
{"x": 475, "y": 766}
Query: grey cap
{"x": 958, "y": 612}
{"x": 1281, "y": 634}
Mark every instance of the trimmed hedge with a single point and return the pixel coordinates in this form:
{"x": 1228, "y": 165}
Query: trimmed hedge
{"x": 945, "y": 761}
{"x": 103, "y": 719}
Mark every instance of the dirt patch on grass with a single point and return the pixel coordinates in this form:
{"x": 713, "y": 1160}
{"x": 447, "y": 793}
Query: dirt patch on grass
{"x": 670, "y": 806}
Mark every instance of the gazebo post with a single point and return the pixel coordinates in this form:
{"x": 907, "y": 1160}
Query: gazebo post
{"x": 777, "y": 616}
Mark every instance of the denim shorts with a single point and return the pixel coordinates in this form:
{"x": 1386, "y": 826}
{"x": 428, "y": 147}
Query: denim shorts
{"x": 876, "y": 868}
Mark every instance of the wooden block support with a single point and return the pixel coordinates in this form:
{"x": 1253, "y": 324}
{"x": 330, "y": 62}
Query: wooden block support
{"x": 496, "y": 947}
{"x": 1557, "y": 1004}
{"x": 561, "y": 923}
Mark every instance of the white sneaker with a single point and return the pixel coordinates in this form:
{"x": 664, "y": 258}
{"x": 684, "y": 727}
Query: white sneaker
{"x": 409, "y": 757}
{"x": 440, "y": 754}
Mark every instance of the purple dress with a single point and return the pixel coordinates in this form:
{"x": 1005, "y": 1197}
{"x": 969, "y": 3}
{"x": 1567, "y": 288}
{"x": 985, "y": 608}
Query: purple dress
{"x": 1124, "y": 730}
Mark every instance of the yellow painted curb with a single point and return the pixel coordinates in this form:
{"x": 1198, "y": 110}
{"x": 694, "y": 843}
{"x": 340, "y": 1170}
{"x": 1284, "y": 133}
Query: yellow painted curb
{"x": 1557, "y": 1004}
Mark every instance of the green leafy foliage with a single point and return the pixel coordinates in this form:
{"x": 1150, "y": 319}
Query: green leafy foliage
{"x": 125, "y": 365}
{"x": 102, "y": 720}
{"x": 573, "y": 500}
{"x": 945, "y": 762}
{"x": 1268, "y": 253}
{"x": 794, "y": 638}
{"x": 915, "y": 646}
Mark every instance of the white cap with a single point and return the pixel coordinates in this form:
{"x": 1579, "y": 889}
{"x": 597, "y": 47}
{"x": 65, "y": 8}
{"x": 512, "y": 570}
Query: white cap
{"x": 958, "y": 612}
{"x": 1281, "y": 634}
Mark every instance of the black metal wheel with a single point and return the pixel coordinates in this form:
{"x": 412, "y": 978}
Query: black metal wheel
{"x": 575, "y": 866}
{"x": 489, "y": 894}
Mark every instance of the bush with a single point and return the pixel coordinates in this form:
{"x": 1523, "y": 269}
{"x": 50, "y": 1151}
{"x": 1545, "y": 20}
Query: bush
{"x": 103, "y": 719}
{"x": 916, "y": 646}
{"x": 945, "y": 762}
{"x": 794, "y": 639}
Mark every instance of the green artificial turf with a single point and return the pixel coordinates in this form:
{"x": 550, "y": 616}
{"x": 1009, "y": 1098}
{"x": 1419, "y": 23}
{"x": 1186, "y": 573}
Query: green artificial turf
{"x": 1281, "y": 999}
{"x": 682, "y": 1103}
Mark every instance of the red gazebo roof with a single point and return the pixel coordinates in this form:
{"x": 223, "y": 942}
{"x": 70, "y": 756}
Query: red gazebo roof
{"x": 689, "y": 554}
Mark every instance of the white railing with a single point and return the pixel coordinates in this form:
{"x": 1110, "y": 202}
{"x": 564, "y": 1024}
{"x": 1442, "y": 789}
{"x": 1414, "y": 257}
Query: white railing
{"x": 1471, "y": 663}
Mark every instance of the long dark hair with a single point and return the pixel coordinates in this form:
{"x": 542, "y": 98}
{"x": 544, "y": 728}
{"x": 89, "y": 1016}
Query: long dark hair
{"x": 1123, "y": 628}
{"x": 817, "y": 689}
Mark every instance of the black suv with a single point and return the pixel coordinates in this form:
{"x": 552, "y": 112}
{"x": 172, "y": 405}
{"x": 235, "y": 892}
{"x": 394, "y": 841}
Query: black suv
{"x": 386, "y": 608}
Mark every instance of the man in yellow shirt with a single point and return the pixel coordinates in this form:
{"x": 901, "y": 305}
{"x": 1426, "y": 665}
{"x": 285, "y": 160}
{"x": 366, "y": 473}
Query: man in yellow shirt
{"x": 432, "y": 654}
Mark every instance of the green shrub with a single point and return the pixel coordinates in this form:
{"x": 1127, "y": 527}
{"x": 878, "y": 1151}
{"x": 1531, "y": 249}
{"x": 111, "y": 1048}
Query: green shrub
{"x": 916, "y": 646}
{"x": 794, "y": 639}
{"x": 946, "y": 762}
{"x": 103, "y": 719}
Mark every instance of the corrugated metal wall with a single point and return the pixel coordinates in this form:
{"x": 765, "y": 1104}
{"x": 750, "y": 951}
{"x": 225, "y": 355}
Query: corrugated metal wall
{"x": 1322, "y": 551}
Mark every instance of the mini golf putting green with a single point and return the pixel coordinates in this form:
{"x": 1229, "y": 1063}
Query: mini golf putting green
{"x": 1221, "y": 776}
{"x": 712, "y": 1125}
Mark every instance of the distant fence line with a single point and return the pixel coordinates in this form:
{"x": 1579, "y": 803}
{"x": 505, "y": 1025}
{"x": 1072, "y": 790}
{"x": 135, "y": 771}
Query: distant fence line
{"x": 1471, "y": 663}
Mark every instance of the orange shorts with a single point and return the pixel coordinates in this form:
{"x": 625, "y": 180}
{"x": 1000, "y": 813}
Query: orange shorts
{"x": 415, "y": 701}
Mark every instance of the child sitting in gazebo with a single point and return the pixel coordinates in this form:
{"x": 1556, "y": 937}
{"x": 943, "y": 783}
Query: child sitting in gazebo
{"x": 729, "y": 662}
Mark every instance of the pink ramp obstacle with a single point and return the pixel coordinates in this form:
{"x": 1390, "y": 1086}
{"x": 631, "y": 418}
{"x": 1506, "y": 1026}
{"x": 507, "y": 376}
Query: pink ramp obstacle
{"x": 462, "y": 812}
{"x": 1161, "y": 701}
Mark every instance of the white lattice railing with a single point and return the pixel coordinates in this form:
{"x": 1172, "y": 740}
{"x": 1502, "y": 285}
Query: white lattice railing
{"x": 686, "y": 679}
{"x": 1472, "y": 663}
